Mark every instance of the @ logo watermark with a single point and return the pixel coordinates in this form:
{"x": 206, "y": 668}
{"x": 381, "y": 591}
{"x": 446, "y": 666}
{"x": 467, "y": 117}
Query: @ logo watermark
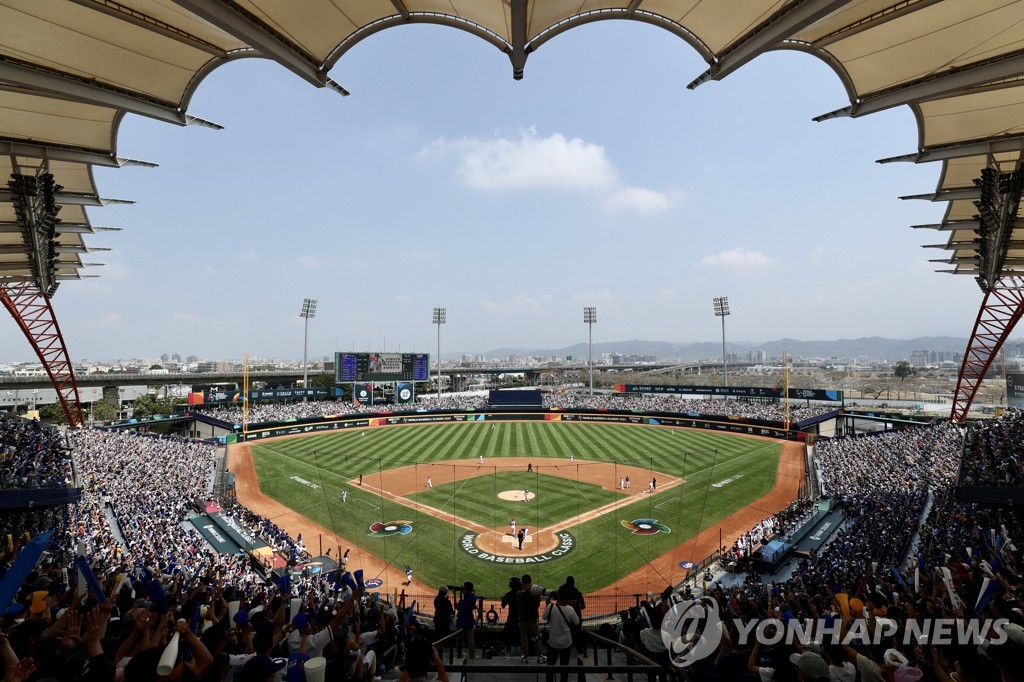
{"x": 692, "y": 630}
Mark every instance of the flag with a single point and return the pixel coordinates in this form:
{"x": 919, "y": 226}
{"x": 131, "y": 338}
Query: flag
{"x": 23, "y": 565}
{"x": 85, "y": 572}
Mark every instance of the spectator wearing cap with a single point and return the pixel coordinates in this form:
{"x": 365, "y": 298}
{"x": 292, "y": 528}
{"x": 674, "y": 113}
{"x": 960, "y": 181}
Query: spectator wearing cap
{"x": 810, "y": 667}
{"x": 261, "y": 668}
{"x": 317, "y": 641}
{"x": 465, "y": 616}
{"x": 443, "y": 612}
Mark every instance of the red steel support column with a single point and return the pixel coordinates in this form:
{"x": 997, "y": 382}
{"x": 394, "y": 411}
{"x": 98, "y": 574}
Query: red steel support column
{"x": 1000, "y": 310}
{"x": 34, "y": 314}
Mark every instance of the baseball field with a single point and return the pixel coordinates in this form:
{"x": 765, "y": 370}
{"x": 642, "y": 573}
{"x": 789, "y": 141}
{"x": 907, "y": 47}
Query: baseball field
{"x": 440, "y": 499}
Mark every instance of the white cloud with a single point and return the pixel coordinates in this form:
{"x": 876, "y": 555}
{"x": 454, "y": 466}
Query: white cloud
{"x": 401, "y": 298}
{"x": 531, "y": 161}
{"x": 667, "y": 295}
{"x": 640, "y": 199}
{"x": 187, "y": 317}
{"x": 737, "y": 260}
{"x": 309, "y": 261}
{"x": 520, "y": 304}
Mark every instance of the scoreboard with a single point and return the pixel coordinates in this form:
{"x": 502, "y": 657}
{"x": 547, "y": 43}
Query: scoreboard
{"x": 381, "y": 367}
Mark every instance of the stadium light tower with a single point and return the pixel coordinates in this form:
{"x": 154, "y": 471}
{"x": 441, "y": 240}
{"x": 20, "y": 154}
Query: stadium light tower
{"x": 589, "y": 318}
{"x": 722, "y": 311}
{"x": 308, "y": 311}
{"x": 440, "y": 317}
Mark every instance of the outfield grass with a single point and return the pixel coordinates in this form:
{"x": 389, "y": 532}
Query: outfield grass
{"x": 745, "y": 469}
{"x": 553, "y": 499}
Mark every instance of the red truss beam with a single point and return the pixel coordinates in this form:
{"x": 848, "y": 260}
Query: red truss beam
{"x": 34, "y": 314}
{"x": 1000, "y": 310}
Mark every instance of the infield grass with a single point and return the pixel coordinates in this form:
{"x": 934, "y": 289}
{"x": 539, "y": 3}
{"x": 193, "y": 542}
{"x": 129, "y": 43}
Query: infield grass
{"x": 722, "y": 474}
{"x": 552, "y": 498}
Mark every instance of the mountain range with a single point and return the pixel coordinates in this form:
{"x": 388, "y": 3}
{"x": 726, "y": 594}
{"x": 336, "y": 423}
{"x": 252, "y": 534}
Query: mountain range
{"x": 870, "y": 347}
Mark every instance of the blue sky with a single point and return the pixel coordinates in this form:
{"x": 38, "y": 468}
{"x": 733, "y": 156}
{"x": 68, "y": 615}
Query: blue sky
{"x": 599, "y": 179}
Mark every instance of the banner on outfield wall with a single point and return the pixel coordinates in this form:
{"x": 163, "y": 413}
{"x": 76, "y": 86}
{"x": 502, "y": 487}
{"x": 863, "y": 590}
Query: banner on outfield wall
{"x": 308, "y": 428}
{"x": 741, "y": 428}
{"x": 1015, "y": 389}
{"x": 362, "y": 394}
{"x": 734, "y": 391}
{"x": 405, "y": 393}
{"x": 281, "y": 393}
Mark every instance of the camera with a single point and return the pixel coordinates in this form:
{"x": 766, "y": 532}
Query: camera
{"x": 538, "y": 591}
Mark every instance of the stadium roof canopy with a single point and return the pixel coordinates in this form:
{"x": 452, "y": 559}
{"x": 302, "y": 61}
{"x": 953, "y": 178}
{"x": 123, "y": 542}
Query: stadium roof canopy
{"x": 71, "y": 69}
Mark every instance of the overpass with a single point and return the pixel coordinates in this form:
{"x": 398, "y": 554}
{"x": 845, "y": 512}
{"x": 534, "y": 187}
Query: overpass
{"x": 293, "y": 377}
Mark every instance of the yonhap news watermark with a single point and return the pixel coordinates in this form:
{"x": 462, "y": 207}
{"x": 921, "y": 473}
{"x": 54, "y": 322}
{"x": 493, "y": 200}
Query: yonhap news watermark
{"x": 694, "y": 629}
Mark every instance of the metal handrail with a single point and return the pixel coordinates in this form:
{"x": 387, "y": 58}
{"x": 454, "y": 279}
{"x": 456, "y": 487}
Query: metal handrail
{"x": 450, "y": 635}
{"x": 621, "y": 647}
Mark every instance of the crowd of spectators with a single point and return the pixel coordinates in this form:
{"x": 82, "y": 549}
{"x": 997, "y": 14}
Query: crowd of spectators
{"x": 882, "y": 482}
{"x": 32, "y": 455}
{"x": 865, "y": 577}
{"x": 136, "y": 492}
{"x": 161, "y": 578}
{"x": 993, "y": 451}
{"x": 748, "y": 409}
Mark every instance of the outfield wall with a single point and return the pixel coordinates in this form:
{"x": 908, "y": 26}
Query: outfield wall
{"x": 732, "y": 425}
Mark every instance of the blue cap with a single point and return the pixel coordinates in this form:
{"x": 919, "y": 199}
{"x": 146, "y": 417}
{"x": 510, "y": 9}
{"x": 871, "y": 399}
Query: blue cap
{"x": 300, "y": 621}
{"x": 242, "y": 619}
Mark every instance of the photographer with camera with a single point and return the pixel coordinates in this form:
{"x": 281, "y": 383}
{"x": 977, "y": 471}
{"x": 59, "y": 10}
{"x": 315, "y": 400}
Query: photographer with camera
{"x": 510, "y": 632}
{"x": 528, "y": 601}
{"x": 560, "y": 619}
{"x": 465, "y": 619}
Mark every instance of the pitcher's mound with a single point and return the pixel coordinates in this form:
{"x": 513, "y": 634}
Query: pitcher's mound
{"x": 515, "y": 495}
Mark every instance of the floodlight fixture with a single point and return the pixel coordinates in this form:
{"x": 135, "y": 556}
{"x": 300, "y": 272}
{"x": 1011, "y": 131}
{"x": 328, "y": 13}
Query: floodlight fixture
{"x": 721, "y": 304}
{"x": 440, "y": 317}
{"x": 589, "y": 318}
{"x": 308, "y": 311}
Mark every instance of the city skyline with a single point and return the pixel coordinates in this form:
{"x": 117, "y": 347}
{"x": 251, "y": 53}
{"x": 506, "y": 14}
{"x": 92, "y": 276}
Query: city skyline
{"x": 598, "y": 180}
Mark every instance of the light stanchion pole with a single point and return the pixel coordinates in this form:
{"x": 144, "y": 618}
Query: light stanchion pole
{"x": 589, "y": 318}
{"x": 308, "y": 311}
{"x": 722, "y": 310}
{"x": 440, "y": 317}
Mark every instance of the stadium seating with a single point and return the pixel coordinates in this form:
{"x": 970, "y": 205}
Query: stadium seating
{"x": 906, "y": 527}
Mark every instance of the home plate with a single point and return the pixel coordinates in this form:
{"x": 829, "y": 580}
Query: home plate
{"x": 515, "y": 541}
{"x": 515, "y": 495}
